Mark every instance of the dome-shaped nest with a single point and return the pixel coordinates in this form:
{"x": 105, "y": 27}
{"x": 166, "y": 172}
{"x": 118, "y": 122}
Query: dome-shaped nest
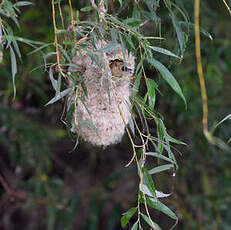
{"x": 104, "y": 103}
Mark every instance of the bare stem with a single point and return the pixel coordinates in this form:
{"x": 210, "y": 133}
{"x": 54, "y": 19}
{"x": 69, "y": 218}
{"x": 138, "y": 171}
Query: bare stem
{"x": 200, "y": 69}
{"x": 56, "y": 39}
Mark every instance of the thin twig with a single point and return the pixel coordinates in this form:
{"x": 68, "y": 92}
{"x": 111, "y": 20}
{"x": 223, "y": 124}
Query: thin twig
{"x": 71, "y": 10}
{"x": 56, "y": 38}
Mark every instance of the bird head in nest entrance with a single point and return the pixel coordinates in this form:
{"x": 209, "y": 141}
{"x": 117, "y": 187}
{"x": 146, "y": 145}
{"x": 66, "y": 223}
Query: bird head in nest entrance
{"x": 120, "y": 69}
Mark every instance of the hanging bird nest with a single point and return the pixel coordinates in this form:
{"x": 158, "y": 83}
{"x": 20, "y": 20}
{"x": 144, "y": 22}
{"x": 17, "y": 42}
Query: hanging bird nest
{"x": 102, "y": 107}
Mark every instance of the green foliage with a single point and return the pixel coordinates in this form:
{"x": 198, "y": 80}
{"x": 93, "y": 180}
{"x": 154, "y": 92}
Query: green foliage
{"x": 8, "y": 11}
{"x": 127, "y": 216}
{"x": 159, "y": 34}
{"x": 18, "y": 138}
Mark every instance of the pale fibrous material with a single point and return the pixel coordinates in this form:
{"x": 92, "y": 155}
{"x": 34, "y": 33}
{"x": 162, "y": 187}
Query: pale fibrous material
{"x": 102, "y": 108}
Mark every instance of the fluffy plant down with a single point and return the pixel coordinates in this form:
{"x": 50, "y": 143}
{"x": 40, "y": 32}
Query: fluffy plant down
{"x": 102, "y": 108}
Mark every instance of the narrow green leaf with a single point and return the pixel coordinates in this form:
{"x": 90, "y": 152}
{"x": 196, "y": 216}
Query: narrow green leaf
{"x": 161, "y": 207}
{"x": 84, "y": 88}
{"x": 228, "y": 117}
{"x": 179, "y": 32}
{"x": 202, "y": 30}
{"x": 131, "y": 126}
{"x": 136, "y": 86}
{"x": 110, "y": 48}
{"x": 89, "y": 124}
{"x": 163, "y": 51}
{"x": 23, "y": 3}
{"x": 152, "y": 16}
{"x": 16, "y": 48}
{"x": 9, "y": 8}
{"x": 53, "y": 81}
{"x": 160, "y": 194}
{"x": 9, "y": 37}
{"x": 220, "y": 143}
{"x": 24, "y": 40}
{"x": 69, "y": 43}
{"x": 86, "y": 9}
{"x": 139, "y": 67}
{"x": 59, "y": 96}
{"x": 135, "y": 226}
{"x": 148, "y": 181}
{"x": 136, "y": 12}
{"x": 168, "y": 77}
{"x": 161, "y": 168}
{"x": 146, "y": 191}
{"x": 13, "y": 68}
{"x": 40, "y": 48}
{"x": 127, "y": 216}
{"x": 150, "y": 222}
{"x": 129, "y": 44}
{"x": 83, "y": 102}
{"x": 151, "y": 86}
{"x": 3, "y": 13}
{"x": 115, "y": 20}
{"x": 170, "y": 153}
{"x": 173, "y": 140}
{"x": 49, "y": 54}
{"x": 154, "y": 154}
{"x": 161, "y": 134}
{"x": 94, "y": 57}
{"x": 133, "y": 22}
{"x": 65, "y": 53}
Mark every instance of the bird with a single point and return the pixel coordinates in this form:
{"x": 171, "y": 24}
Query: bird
{"x": 119, "y": 68}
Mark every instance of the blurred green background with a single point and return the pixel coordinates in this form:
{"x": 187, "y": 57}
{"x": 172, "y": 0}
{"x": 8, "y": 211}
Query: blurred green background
{"x": 90, "y": 188}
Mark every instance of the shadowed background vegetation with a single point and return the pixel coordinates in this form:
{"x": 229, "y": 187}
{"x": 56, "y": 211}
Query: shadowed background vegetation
{"x": 90, "y": 187}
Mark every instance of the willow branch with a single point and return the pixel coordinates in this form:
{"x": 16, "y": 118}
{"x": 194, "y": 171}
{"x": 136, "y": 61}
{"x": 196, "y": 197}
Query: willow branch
{"x": 56, "y": 39}
{"x": 200, "y": 69}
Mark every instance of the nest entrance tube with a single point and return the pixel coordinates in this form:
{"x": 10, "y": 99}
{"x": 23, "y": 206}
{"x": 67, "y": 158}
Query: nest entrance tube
{"x": 106, "y": 77}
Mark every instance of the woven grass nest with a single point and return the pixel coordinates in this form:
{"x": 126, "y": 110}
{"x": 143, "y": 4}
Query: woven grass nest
{"x": 107, "y": 83}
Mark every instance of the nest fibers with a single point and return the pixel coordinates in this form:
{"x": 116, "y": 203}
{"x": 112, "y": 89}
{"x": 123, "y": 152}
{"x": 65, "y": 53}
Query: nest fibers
{"x": 103, "y": 112}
